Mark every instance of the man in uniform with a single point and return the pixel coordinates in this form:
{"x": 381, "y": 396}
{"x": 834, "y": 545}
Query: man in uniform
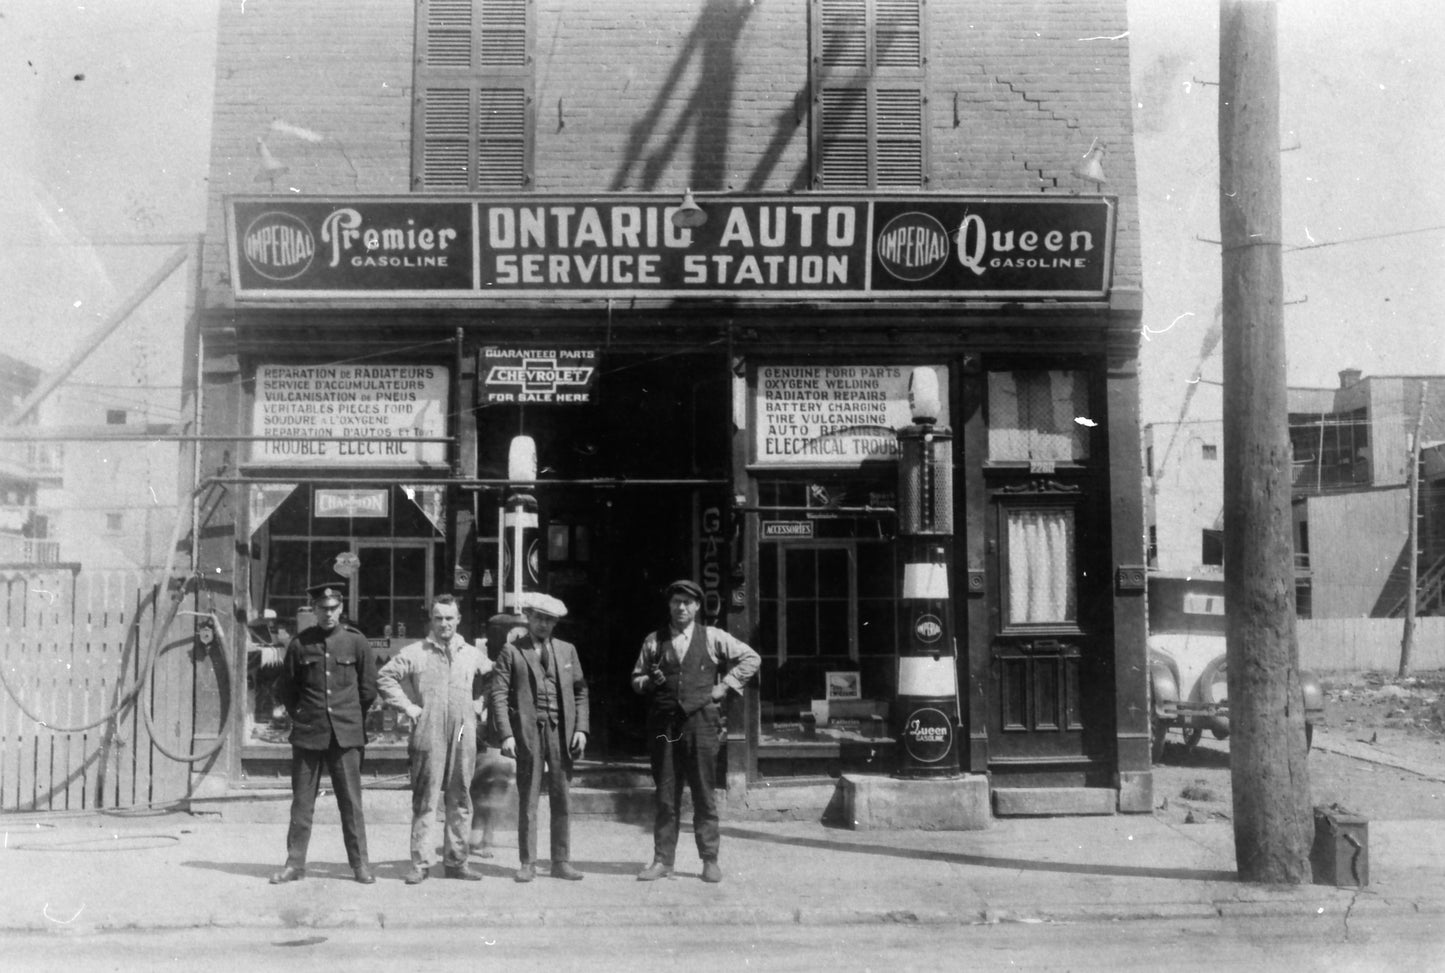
{"x": 686, "y": 670}
{"x": 327, "y": 683}
{"x": 437, "y": 682}
{"x": 540, "y": 713}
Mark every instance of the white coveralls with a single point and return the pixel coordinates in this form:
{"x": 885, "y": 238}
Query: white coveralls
{"x": 445, "y": 682}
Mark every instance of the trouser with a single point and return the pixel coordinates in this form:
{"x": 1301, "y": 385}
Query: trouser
{"x": 684, "y": 750}
{"x": 530, "y": 766}
{"x": 344, "y": 766}
{"x": 444, "y": 763}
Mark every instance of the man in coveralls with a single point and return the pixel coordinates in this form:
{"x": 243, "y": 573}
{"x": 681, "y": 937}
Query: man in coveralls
{"x": 327, "y": 683}
{"x": 540, "y": 713}
{"x": 437, "y": 682}
{"x": 687, "y": 669}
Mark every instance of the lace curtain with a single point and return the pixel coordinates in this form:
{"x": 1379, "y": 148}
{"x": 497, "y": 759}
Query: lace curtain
{"x": 1041, "y": 586}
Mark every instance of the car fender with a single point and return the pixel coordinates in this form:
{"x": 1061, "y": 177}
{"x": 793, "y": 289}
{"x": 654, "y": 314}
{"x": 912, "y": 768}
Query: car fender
{"x": 1163, "y": 687}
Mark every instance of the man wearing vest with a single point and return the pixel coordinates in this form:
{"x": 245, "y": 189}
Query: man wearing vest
{"x": 539, "y": 712}
{"x": 687, "y": 669}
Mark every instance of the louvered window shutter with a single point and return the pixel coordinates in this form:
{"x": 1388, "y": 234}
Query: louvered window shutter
{"x": 472, "y": 127}
{"x": 868, "y": 80}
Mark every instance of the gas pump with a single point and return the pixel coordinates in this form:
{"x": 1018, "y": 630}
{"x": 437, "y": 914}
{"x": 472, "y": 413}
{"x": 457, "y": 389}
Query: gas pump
{"x": 521, "y": 560}
{"x": 926, "y": 712}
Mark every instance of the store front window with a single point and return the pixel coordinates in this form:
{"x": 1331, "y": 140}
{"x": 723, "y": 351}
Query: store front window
{"x": 382, "y": 542}
{"x": 827, "y": 598}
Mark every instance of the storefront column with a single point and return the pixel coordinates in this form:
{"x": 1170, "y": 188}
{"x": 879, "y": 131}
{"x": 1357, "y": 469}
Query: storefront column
{"x": 971, "y": 600}
{"x": 1126, "y": 517}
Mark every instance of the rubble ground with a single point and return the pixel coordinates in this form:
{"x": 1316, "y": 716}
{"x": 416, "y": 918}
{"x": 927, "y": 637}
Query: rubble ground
{"x": 1401, "y": 719}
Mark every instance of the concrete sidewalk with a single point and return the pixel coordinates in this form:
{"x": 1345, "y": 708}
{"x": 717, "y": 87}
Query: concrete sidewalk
{"x": 176, "y": 870}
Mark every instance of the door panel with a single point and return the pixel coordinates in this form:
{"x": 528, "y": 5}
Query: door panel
{"x": 1047, "y": 656}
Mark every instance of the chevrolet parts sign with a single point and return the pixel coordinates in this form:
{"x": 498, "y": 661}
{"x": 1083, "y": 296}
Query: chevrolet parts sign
{"x": 554, "y": 376}
{"x": 798, "y": 246}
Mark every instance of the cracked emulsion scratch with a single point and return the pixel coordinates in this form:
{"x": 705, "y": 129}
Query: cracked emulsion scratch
{"x": 1116, "y": 37}
{"x": 45, "y": 911}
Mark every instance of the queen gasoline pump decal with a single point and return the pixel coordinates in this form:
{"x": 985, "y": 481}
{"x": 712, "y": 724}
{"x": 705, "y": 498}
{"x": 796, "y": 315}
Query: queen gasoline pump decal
{"x": 928, "y": 735}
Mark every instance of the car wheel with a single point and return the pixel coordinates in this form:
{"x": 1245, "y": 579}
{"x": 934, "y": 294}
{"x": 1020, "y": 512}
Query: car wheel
{"x": 1157, "y": 729}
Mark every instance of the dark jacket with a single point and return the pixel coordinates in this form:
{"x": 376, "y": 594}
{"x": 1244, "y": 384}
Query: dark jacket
{"x": 514, "y": 694}
{"x": 328, "y": 682}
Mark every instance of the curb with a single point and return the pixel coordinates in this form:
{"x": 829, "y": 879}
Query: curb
{"x": 749, "y": 916}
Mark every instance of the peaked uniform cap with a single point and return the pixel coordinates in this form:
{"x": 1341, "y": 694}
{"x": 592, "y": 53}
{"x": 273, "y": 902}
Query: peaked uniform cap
{"x": 330, "y": 590}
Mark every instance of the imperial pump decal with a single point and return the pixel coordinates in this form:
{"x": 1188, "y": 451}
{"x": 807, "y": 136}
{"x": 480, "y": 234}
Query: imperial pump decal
{"x": 621, "y": 246}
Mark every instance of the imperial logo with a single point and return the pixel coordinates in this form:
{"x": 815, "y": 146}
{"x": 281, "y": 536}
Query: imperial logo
{"x": 913, "y": 246}
{"x": 279, "y": 246}
{"x": 927, "y": 629}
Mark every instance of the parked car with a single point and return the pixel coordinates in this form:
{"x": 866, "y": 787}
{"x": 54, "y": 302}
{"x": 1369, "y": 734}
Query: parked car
{"x": 1188, "y": 685}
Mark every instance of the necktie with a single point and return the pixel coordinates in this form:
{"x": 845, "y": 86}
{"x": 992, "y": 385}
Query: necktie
{"x": 545, "y": 653}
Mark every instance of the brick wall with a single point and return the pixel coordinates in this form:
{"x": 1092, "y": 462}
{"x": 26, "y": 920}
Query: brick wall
{"x": 660, "y": 95}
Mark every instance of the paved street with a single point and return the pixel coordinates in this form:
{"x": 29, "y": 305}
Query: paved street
{"x": 1378, "y": 943}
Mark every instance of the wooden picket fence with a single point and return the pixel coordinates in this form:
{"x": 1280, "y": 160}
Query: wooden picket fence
{"x": 74, "y": 645}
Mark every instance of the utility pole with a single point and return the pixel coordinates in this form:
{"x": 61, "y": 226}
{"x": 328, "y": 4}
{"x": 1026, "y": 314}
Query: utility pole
{"x": 1412, "y": 481}
{"x": 1270, "y": 779}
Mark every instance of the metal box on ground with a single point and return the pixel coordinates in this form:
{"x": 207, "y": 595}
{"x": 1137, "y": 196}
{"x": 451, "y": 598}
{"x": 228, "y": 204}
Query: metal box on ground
{"x": 1341, "y": 852}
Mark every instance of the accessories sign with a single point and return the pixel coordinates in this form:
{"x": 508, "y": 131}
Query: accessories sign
{"x": 625, "y": 245}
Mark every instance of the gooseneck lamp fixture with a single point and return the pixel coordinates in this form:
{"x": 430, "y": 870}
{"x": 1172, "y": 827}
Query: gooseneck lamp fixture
{"x": 689, "y": 214}
{"x": 1091, "y": 166}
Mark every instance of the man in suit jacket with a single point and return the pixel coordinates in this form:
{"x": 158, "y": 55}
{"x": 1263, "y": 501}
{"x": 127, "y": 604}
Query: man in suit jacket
{"x": 539, "y": 712}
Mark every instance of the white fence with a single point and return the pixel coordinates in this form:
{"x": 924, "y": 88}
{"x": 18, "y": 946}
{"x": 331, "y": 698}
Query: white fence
{"x": 1358, "y": 644}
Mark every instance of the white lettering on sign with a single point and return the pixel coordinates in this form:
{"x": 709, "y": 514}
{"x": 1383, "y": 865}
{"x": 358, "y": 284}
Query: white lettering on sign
{"x": 347, "y": 415}
{"x": 835, "y": 415}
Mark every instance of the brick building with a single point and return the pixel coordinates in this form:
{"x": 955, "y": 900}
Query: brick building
{"x": 436, "y": 228}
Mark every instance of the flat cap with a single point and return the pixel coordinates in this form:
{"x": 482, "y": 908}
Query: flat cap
{"x": 685, "y": 587}
{"x": 328, "y": 591}
{"x": 535, "y": 601}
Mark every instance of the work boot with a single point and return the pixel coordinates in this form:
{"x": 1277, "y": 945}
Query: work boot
{"x": 565, "y": 870}
{"x": 463, "y": 872}
{"x": 363, "y": 874}
{"x": 526, "y": 873}
{"x": 417, "y": 875}
{"x": 710, "y": 872}
{"x": 654, "y": 872}
{"x": 290, "y": 873}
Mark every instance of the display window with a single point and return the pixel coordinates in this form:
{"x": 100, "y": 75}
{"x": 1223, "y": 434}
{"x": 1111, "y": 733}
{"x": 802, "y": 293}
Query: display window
{"x": 381, "y": 542}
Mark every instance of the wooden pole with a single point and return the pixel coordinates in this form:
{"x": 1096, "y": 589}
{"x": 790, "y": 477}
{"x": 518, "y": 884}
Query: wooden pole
{"x": 1412, "y": 480}
{"x": 1272, "y": 819}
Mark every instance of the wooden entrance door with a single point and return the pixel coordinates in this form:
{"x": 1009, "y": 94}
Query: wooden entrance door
{"x": 1050, "y": 693}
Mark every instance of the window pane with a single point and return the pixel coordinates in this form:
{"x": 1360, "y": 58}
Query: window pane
{"x": 802, "y": 578}
{"x": 1031, "y": 415}
{"x": 1041, "y": 582}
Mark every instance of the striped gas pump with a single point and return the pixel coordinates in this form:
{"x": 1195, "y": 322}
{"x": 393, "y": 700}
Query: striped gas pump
{"x": 926, "y": 713}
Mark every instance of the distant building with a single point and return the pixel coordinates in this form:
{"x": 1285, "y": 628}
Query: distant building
{"x": 1351, "y": 451}
{"x": 29, "y": 472}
